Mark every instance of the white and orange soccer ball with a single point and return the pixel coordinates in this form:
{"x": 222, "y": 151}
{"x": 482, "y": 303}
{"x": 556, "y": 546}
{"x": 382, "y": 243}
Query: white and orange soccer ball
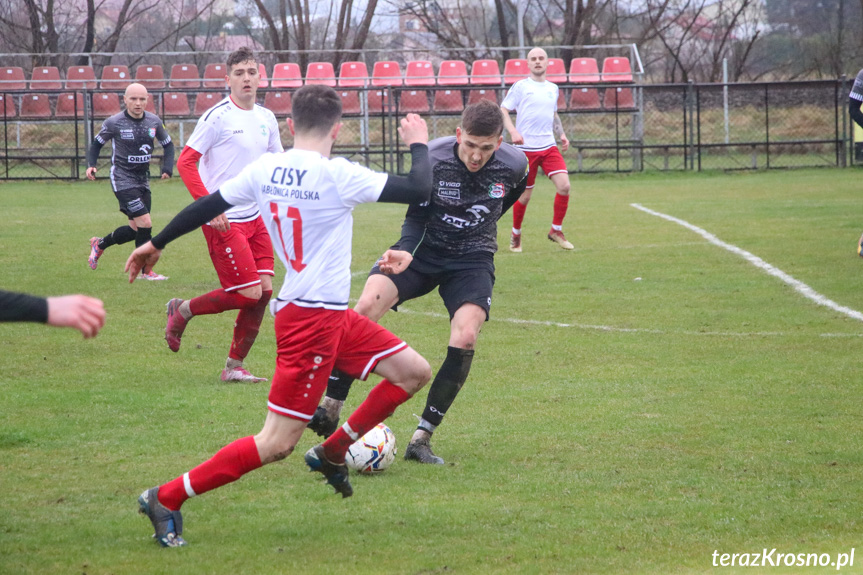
{"x": 374, "y": 452}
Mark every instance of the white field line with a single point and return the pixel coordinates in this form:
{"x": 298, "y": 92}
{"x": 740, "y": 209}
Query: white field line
{"x": 798, "y": 286}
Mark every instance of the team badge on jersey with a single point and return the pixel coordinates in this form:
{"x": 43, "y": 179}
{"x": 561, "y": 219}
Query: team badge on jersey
{"x": 496, "y": 191}
{"x": 152, "y": 132}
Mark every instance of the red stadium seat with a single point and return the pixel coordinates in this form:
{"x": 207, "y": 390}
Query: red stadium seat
{"x": 7, "y": 106}
{"x": 214, "y": 76}
{"x": 279, "y": 103}
{"x": 353, "y": 75}
{"x": 350, "y": 102}
{"x": 483, "y": 94}
{"x": 12, "y": 78}
{"x": 556, "y": 71}
{"x": 453, "y": 73}
{"x": 150, "y": 76}
{"x": 35, "y": 106}
{"x": 105, "y": 104}
{"x": 115, "y": 78}
{"x": 419, "y": 73}
{"x": 206, "y": 100}
{"x": 448, "y": 101}
{"x": 485, "y": 73}
{"x": 387, "y": 73}
{"x": 617, "y": 71}
{"x": 184, "y": 76}
{"x": 416, "y": 101}
{"x": 514, "y": 70}
{"x": 584, "y": 71}
{"x": 152, "y": 104}
{"x": 80, "y": 78}
{"x": 378, "y": 100}
{"x": 286, "y": 75}
{"x": 262, "y": 72}
{"x": 321, "y": 73}
{"x": 46, "y": 78}
{"x": 66, "y": 105}
{"x": 176, "y": 104}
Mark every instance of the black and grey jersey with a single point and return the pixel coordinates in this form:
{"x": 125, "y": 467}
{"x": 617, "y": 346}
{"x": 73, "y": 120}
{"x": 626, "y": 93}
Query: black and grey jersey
{"x": 133, "y": 148}
{"x": 461, "y": 216}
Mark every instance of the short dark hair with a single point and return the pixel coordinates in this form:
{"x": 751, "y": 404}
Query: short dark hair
{"x": 315, "y": 108}
{"x": 483, "y": 119}
{"x": 239, "y": 56}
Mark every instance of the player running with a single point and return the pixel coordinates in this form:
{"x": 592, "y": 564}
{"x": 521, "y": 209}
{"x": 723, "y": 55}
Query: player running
{"x": 132, "y": 132}
{"x": 306, "y": 200}
{"x": 448, "y": 243}
{"x": 228, "y": 137}
{"x": 537, "y": 122}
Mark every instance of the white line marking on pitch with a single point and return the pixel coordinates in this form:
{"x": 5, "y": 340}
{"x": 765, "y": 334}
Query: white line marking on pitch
{"x": 798, "y": 285}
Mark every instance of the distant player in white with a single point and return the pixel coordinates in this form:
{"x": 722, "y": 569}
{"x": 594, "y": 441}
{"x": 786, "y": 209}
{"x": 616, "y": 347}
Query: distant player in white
{"x": 537, "y": 123}
{"x": 228, "y": 137}
{"x": 306, "y": 200}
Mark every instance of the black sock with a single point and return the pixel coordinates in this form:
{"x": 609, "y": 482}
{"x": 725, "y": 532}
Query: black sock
{"x": 119, "y": 236}
{"x": 447, "y": 383}
{"x": 339, "y": 385}
{"x": 143, "y": 236}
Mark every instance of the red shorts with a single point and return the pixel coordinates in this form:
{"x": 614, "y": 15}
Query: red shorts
{"x": 549, "y": 159}
{"x": 242, "y": 254}
{"x": 310, "y": 343}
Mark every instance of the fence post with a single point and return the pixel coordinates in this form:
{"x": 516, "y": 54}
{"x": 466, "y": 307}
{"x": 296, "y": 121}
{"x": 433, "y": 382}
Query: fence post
{"x": 689, "y": 114}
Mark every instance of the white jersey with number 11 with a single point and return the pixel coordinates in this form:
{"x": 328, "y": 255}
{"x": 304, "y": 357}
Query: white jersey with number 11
{"x": 306, "y": 201}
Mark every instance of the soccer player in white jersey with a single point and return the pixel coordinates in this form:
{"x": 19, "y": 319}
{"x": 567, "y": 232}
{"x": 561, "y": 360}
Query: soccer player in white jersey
{"x": 306, "y": 200}
{"x": 228, "y": 137}
{"x": 536, "y": 124}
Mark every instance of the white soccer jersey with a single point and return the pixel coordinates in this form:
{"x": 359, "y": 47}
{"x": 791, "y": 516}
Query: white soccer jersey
{"x": 535, "y": 104}
{"x": 307, "y": 201}
{"x": 229, "y": 138}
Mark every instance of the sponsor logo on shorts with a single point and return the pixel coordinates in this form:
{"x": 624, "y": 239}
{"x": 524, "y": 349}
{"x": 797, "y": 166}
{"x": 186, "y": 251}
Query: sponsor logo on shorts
{"x": 496, "y": 190}
{"x": 135, "y": 205}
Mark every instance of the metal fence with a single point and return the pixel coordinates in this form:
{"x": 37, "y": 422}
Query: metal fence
{"x": 617, "y": 128}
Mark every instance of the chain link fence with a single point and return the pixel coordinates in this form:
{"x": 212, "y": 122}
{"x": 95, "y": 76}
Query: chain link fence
{"x": 611, "y": 128}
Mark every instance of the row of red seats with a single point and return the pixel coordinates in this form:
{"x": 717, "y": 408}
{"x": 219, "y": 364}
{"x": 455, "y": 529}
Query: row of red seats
{"x": 287, "y": 75}
{"x": 104, "y": 104}
{"x": 352, "y": 75}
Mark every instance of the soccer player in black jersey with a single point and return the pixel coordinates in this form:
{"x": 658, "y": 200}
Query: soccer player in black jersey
{"x": 448, "y": 243}
{"x": 855, "y": 100}
{"x": 132, "y": 132}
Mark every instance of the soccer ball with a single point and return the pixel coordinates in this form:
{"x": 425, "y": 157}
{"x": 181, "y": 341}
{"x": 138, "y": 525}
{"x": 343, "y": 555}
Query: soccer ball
{"x": 373, "y": 452}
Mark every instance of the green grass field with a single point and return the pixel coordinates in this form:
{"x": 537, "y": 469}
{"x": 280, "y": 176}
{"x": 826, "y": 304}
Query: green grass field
{"x": 634, "y": 405}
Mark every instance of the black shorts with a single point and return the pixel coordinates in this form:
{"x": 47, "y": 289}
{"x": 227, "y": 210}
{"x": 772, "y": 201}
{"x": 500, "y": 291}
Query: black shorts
{"x": 134, "y": 202}
{"x": 458, "y": 282}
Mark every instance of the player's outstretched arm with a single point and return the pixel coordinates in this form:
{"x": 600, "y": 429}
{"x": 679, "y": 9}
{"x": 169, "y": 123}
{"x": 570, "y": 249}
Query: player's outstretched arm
{"x": 416, "y": 187}
{"x": 86, "y": 314}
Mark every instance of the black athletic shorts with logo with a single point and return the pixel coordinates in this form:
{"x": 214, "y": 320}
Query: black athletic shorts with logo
{"x": 134, "y": 202}
{"x": 459, "y": 281}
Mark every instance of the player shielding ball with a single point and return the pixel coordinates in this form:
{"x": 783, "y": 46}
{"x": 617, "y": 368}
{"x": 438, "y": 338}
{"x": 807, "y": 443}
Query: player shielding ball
{"x": 131, "y": 132}
{"x": 227, "y": 138}
{"x": 306, "y": 200}
{"x": 448, "y": 243}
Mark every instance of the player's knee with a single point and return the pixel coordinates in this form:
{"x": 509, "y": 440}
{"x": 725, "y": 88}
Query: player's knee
{"x": 563, "y": 188}
{"x": 255, "y": 292}
{"x": 420, "y": 375}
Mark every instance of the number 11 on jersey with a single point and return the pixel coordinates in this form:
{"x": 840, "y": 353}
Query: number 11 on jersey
{"x": 297, "y": 222}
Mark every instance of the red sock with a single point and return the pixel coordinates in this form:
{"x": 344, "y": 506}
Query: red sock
{"x": 247, "y": 327}
{"x": 218, "y": 301}
{"x": 518, "y": 210}
{"x": 560, "y": 205}
{"x": 382, "y": 401}
{"x": 227, "y": 465}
